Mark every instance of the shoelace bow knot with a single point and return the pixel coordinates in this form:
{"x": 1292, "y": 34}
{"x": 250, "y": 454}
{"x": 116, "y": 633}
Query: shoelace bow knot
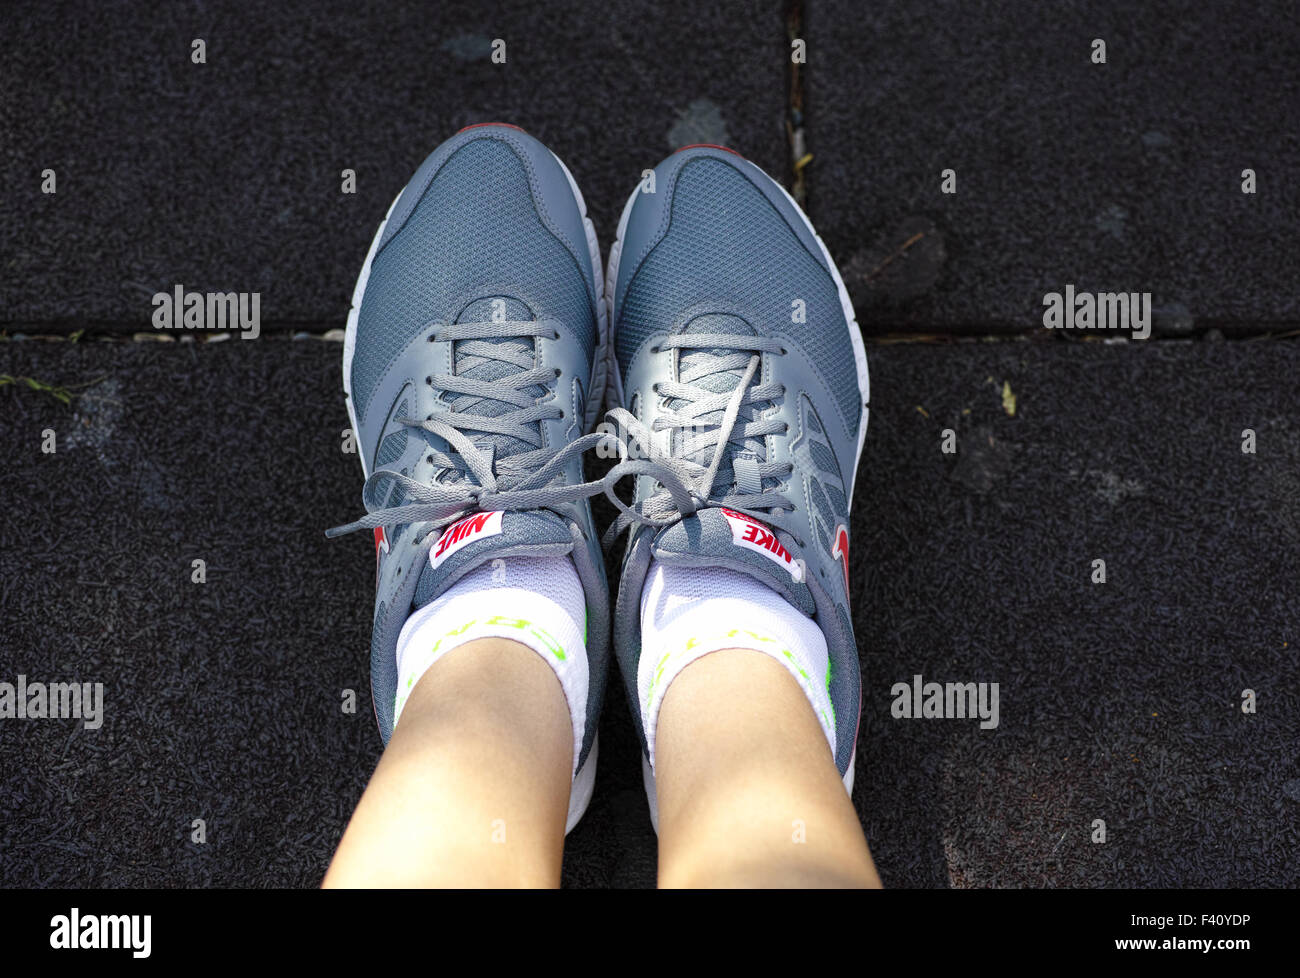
{"x": 474, "y": 476}
{"x": 700, "y": 420}
{"x": 703, "y": 422}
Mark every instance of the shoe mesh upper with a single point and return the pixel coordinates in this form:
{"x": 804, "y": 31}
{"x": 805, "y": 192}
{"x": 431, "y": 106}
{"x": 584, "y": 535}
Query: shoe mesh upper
{"x": 476, "y": 225}
{"x": 729, "y": 248}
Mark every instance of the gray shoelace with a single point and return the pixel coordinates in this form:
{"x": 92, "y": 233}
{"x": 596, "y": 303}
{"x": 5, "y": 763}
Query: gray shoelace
{"x": 704, "y": 423}
{"x": 472, "y": 477}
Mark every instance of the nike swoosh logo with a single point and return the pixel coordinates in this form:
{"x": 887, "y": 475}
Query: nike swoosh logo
{"x": 841, "y": 550}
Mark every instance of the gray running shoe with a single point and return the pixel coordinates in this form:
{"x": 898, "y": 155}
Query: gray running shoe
{"x": 475, "y": 360}
{"x": 745, "y": 383}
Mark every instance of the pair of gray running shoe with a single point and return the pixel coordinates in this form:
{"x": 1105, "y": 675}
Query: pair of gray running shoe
{"x": 484, "y": 343}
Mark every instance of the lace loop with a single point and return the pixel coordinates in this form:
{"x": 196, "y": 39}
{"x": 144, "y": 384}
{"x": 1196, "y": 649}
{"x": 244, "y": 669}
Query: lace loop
{"x": 701, "y": 420}
{"x": 472, "y": 476}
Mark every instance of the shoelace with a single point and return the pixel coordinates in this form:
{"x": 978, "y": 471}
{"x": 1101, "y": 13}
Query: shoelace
{"x": 704, "y": 420}
{"x": 499, "y": 482}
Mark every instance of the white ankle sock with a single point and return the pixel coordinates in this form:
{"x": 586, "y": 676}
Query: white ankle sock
{"x": 688, "y": 612}
{"x": 536, "y": 601}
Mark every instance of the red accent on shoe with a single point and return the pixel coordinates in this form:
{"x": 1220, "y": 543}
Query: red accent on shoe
{"x": 725, "y": 149}
{"x": 381, "y": 544}
{"x": 504, "y": 125}
{"x": 840, "y": 549}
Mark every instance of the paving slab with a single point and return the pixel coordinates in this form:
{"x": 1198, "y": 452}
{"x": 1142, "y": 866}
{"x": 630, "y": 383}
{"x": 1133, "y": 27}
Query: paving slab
{"x": 1118, "y": 177}
{"x": 1119, "y": 702}
{"x": 227, "y": 175}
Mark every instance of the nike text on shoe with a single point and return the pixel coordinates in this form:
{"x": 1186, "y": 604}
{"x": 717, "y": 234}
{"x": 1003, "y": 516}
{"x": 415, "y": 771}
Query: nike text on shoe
{"x": 744, "y": 383}
{"x": 474, "y": 360}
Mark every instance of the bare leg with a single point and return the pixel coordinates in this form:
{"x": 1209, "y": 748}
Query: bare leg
{"x": 748, "y": 791}
{"x": 473, "y": 789}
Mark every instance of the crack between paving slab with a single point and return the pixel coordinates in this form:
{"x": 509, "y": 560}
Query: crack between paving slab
{"x": 794, "y": 130}
{"x": 316, "y": 331}
{"x": 797, "y": 178}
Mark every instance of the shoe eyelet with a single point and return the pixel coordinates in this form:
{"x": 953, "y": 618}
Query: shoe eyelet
{"x": 429, "y": 380}
{"x": 558, "y": 373}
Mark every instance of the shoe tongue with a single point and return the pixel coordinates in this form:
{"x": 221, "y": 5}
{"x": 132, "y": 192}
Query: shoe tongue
{"x": 719, "y": 537}
{"x": 466, "y": 365}
{"x": 699, "y": 365}
{"x": 481, "y": 537}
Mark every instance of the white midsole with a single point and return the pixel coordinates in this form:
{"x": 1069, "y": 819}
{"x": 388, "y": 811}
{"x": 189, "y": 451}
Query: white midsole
{"x": 584, "y": 783}
{"x": 600, "y": 369}
{"x": 350, "y": 334}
